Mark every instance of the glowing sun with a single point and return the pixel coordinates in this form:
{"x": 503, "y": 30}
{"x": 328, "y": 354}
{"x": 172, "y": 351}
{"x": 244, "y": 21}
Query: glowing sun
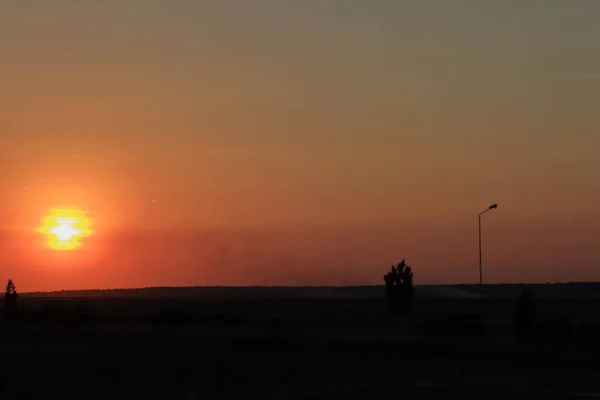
{"x": 64, "y": 229}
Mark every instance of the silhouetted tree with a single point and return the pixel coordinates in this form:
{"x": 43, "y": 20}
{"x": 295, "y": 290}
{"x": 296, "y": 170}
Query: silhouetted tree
{"x": 399, "y": 288}
{"x": 526, "y": 316}
{"x": 11, "y": 300}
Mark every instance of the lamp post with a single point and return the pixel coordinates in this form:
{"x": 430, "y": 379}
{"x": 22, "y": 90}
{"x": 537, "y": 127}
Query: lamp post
{"x": 480, "y": 264}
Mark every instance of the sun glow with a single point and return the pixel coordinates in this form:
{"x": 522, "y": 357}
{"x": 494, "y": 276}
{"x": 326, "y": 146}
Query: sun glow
{"x": 64, "y": 229}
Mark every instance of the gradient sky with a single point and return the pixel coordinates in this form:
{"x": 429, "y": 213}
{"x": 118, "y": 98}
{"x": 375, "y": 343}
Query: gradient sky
{"x": 300, "y": 142}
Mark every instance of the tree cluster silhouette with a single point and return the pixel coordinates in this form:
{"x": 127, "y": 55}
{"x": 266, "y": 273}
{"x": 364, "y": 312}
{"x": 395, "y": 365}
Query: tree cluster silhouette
{"x": 11, "y": 300}
{"x": 399, "y": 288}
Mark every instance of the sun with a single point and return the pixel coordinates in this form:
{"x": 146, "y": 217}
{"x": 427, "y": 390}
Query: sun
{"x": 65, "y": 228}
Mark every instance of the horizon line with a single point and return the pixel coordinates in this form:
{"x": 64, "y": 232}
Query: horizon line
{"x": 309, "y": 286}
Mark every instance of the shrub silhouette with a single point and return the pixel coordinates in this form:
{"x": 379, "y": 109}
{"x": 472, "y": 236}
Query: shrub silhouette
{"x": 399, "y": 288}
{"x": 586, "y": 338}
{"x": 459, "y": 325}
{"x": 553, "y": 337}
{"x": 525, "y": 316}
{"x": 58, "y": 314}
{"x": 168, "y": 318}
{"x": 11, "y": 301}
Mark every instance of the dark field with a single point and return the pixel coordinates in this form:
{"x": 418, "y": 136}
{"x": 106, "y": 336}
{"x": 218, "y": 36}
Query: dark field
{"x": 328, "y": 343}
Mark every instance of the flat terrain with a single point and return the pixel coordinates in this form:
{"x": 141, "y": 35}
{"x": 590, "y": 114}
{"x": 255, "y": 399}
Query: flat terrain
{"x": 182, "y": 347}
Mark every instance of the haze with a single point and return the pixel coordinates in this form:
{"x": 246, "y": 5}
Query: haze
{"x": 273, "y": 142}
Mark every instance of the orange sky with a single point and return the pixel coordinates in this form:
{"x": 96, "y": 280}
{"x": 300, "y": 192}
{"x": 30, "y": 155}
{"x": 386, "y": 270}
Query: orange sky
{"x": 300, "y": 142}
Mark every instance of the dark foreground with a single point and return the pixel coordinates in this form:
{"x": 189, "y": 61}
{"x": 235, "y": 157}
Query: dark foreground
{"x": 291, "y": 349}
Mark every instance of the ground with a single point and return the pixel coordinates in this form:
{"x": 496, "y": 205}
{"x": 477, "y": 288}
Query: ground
{"x": 184, "y": 348}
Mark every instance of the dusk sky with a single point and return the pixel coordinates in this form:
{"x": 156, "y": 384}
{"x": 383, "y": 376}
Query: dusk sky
{"x": 316, "y": 142}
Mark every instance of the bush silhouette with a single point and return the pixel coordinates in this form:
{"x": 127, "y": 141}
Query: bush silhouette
{"x": 586, "y": 338}
{"x": 168, "y": 318}
{"x": 399, "y": 288}
{"x": 11, "y": 301}
{"x": 463, "y": 325}
{"x": 58, "y": 314}
{"x": 553, "y": 337}
{"x": 525, "y": 316}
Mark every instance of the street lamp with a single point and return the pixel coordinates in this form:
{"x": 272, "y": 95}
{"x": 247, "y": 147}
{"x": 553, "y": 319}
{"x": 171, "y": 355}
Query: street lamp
{"x": 480, "y": 267}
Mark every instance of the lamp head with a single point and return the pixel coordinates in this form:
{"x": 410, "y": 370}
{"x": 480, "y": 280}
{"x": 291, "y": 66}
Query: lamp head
{"x": 493, "y": 206}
